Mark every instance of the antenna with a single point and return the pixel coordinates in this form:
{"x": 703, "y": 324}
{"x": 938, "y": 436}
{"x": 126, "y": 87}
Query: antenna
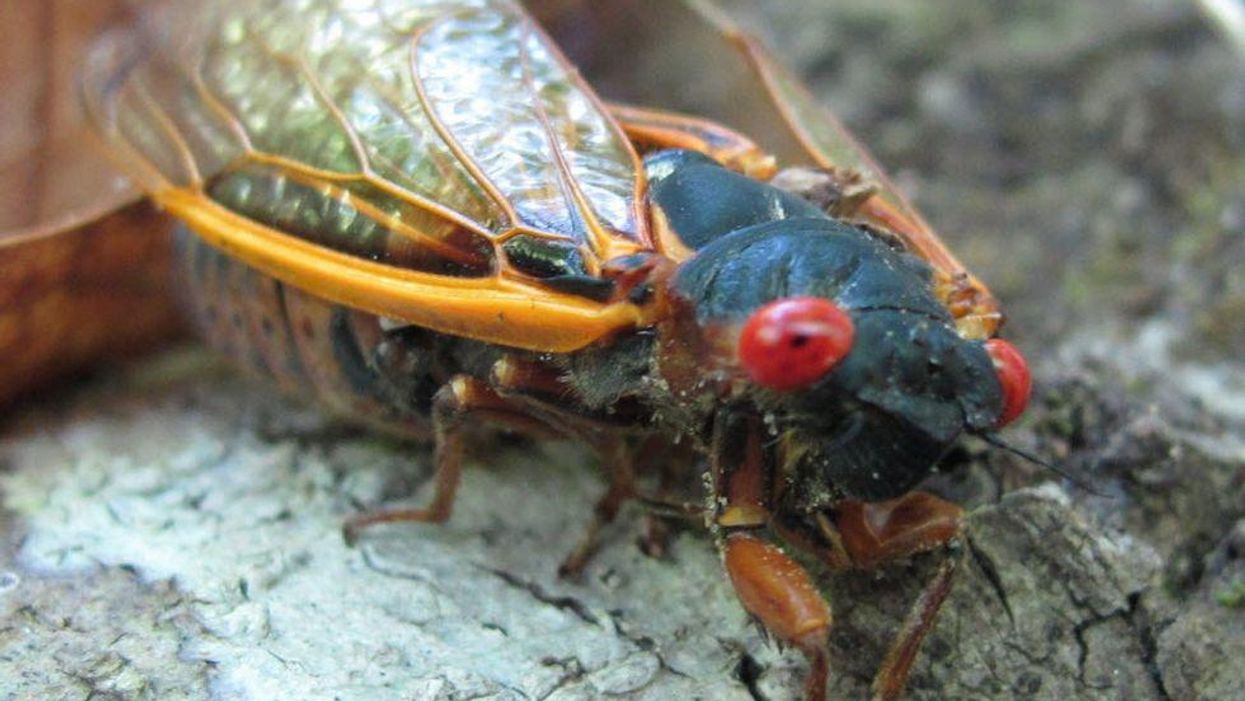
{"x": 994, "y": 440}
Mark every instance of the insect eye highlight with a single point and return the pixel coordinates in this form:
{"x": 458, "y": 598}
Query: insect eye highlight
{"x": 790, "y": 343}
{"x": 1014, "y": 378}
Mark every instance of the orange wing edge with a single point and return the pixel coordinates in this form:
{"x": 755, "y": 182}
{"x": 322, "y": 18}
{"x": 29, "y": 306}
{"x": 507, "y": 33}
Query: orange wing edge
{"x": 495, "y": 309}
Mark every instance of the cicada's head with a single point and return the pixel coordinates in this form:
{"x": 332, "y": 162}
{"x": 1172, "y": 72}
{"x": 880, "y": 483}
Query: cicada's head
{"x": 839, "y": 343}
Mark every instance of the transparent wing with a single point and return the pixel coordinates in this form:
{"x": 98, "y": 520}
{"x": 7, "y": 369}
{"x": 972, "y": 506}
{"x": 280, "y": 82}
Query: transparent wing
{"x": 418, "y": 134}
{"x": 386, "y": 154}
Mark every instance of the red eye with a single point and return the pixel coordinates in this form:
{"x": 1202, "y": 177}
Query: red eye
{"x": 790, "y": 343}
{"x": 1013, "y": 373}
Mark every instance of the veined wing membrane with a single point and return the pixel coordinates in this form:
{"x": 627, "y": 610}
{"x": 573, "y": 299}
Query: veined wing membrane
{"x": 379, "y": 153}
{"x": 484, "y": 76}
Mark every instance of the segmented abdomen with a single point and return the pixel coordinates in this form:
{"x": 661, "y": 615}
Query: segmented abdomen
{"x": 338, "y": 356}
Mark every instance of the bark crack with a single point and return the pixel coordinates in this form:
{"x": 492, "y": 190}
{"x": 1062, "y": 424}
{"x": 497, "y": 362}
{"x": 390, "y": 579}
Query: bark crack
{"x": 642, "y": 642}
{"x": 572, "y": 671}
{"x": 566, "y": 603}
{"x": 1147, "y": 637}
{"x": 1078, "y": 634}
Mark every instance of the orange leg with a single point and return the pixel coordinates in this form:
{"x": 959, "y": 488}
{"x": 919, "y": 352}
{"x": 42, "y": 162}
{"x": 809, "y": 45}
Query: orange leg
{"x": 855, "y": 535}
{"x": 781, "y": 595}
{"x": 892, "y": 676}
{"x": 623, "y": 463}
{"x": 873, "y": 533}
{"x": 514, "y": 404}
{"x": 622, "y": 487}
{"x": 916, "y": 522}
{"x": 461, "y": 398}
{"x": 656, "y": 129}
{"x": 772, "y": 587}
{"x": 531, "y": 386}
{"x": 667, "y": 460}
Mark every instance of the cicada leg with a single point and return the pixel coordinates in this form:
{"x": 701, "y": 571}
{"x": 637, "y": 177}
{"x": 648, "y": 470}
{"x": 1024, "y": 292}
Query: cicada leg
{"x": 622, "y": 462}
{"x": 874, "y": 533}
{"x": 463, "y": 397}
{"x": 619, "y": 465}
{"x": 522, "y": 395}
{"x": 534, "y": 386}
{"x": 863, "y": 536}
{"x": 666, "y": 458}
{"x": 656, "y": 129}
{"x": 914, "y": 523}
{"x": 773, "y": 587}
{"x": 892, "y": 676}
{"x": 780, "y": 593}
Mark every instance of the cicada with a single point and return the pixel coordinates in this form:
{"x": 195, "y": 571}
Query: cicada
{"x": 423, "y": 213}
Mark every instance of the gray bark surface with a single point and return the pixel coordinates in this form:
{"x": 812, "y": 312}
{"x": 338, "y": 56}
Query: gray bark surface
{"x": 172, "y": 530}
